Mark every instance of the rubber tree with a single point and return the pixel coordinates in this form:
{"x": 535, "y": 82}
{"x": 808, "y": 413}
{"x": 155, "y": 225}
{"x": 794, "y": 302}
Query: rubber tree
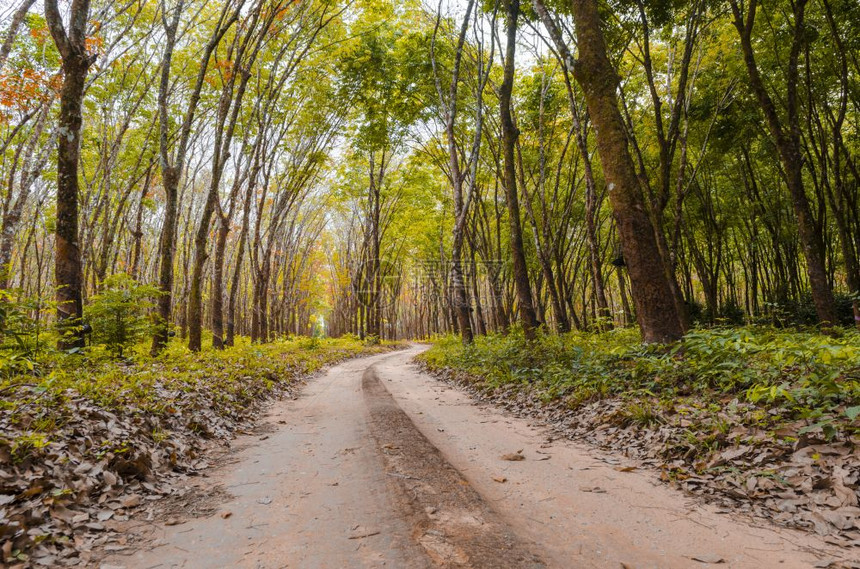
{"x": 173, "y": 155}
{"x": 525, "y": 303}
{"x": 786, "y": 134}
{"x": 76, "y": 62}
{"x": 653, "y": 298}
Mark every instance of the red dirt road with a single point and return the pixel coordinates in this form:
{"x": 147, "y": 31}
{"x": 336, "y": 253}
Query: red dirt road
{"x": 380, "y": 465}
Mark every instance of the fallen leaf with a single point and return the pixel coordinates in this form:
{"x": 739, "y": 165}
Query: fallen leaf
{"x": 500, "y": 479}
{"x": 363, "y": 535}
{"x": 708, "y": 558}
{"x": 130, "y": 501}
{"x": 513, "y": 457}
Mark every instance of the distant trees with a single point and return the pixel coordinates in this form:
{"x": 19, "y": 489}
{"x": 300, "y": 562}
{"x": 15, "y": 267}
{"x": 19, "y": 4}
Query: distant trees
{"x": 786, "y": 135}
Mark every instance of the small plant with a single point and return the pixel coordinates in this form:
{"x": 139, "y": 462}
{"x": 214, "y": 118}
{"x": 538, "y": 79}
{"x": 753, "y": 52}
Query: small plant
{"x": 311, "y": 343}
{"x": 779, "y": 376}
{"x": 119, "y": 314}
{"x": 26, "y": 445}
{"x": 372, "y": 340}
{"x": 641, "y": 414}
{"x": 21, "y": 331}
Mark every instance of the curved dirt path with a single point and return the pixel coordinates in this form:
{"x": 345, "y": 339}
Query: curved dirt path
{"x": 379, "y": 465}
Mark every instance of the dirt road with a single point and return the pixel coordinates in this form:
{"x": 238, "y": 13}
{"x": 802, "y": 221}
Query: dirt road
{"x": 379, "y": 465}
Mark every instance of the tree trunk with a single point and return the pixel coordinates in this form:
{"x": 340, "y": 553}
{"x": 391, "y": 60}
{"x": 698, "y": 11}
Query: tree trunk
{"x": 479, "y": 308}
{"x": 510, "y": 133}
{"x": 237, "y": 270}
{"x": 172, "y": 172}
{"x": 32, "y": 166}
{"x": 595, "y": 263}
{"x": 652, "y": 294}
{"x": 372, "y": 277}
{"x": 137, "y": 235}
{"x": 67, "y": 268}
{"x": 12, "y": 30}
{"x": 591, "y": 202}
{"x": 170, "y": 176}
{"x": 218, "y": 284}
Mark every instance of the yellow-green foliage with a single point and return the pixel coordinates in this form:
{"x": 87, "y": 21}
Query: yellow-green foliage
{"x": 228, "y": 380}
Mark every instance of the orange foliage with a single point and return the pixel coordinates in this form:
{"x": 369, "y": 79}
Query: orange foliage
{"x": 223, "y": 73}
{"x": 39, "y": 34}
{"x": 94, "y": 44}
{"x": 22, "y": 90}
{"x": 280, "y": 15}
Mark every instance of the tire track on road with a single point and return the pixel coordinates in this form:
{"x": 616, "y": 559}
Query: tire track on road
{"x": 449, "y": 519}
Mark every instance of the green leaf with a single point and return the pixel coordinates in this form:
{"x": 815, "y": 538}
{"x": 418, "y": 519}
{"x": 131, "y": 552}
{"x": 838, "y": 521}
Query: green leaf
{"x": 852, "y": 412}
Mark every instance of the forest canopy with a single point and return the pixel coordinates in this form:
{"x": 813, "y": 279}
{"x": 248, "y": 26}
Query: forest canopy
{"x": 405, "y": 169}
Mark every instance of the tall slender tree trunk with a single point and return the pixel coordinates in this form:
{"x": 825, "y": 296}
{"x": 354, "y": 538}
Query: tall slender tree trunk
{"x": 32, "y": 166}
{"x": 167, "y": 252}
{"x": 137, "y": 244}
{"x": 479, "y": 308}
{"x": 172, "y": 170}
{"x": 12, "y": 31}
{"x": 218, "y": 284}
{"x": 558, "y": 309}
{"x": 591, "y": 205}
{"x": 372, "y": 277}
{"x": 170, "y": 175}
{"x": 237, "y": 269}
{"x": 195, "y": 295}
{"x": 595, "y": 263}
{"x": 525, "y": 303}
{"x": 460, "y": 296}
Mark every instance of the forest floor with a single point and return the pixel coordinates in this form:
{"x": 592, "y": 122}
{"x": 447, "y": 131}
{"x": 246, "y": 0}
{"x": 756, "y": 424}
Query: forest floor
{"x": 379, "y": 464}
{"x": 90, "y": 441}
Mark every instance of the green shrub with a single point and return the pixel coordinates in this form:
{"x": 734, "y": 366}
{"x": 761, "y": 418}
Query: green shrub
{"x": 803, "y": 375}
{"x": 22, "y": 333}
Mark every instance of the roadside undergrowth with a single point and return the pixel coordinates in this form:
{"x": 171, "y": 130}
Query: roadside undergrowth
{"x": 85, "y": 439}
{"x": 760, "y": 419}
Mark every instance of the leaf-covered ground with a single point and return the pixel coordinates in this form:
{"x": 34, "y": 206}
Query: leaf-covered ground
{"x": 756, "y": 419}
{"x": 93, "y": 439}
